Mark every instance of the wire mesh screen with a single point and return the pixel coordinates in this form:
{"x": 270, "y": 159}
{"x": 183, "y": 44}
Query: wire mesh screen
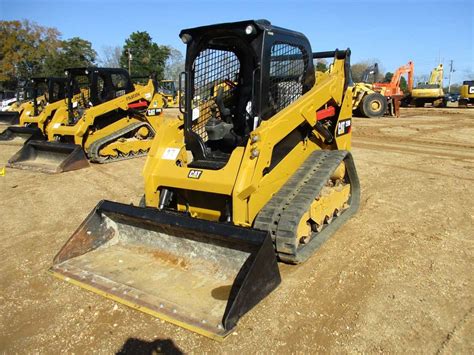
{"x": 287, "y": 67}
{"x": 213, "y": 69}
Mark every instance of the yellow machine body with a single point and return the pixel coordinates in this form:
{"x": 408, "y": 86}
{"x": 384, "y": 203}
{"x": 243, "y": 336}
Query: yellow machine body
{"x": 430, "y": 92}
{"x": 368, "y": 102}
{"x": 243, "y": 177}
{"x": 467, "y": 93}
{"x": 223, "y": 200}
{"x": 170, "y": 94}
{"x": 116, "y": 128}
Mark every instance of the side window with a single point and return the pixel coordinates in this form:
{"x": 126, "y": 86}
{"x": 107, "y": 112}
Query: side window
{"x": 287, "y": 69}
{"x": 101, "y": 86}
{"x": 56, "y": 92}
{"x": 42, "y": 89}
{"x": 120, "y": 84}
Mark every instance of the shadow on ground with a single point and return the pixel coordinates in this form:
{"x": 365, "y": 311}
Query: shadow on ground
{"x": 142, "y": 347}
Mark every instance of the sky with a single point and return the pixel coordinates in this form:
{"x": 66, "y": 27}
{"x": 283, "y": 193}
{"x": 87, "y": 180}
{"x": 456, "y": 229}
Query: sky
{"x": 390, "y": 32}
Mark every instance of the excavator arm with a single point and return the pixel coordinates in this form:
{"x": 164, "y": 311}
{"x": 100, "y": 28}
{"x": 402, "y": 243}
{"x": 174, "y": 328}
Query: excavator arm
{"x": 404, "y": 69}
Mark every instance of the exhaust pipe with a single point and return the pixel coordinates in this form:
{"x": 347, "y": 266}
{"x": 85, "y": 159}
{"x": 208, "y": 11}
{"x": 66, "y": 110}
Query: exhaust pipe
{"x": 198, "y": 274}
{"x": 49, "y": 157}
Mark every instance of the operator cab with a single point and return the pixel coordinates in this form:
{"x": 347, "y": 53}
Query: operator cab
{"x": 238, "y": 74}
{"x": 53, "y": 89}
{"x": 95, "y": 86}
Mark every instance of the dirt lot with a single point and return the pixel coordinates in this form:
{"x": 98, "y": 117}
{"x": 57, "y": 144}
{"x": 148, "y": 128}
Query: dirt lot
{"x": 398, "y": 277}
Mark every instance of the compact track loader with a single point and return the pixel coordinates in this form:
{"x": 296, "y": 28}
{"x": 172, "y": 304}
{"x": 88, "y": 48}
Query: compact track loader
{"x": 113, "y": 120}
{"x": 257, "y": 171}
{"x": 48, "y": 94}
{"x": 171, "y": 95}
{"x": 10, "y": 114}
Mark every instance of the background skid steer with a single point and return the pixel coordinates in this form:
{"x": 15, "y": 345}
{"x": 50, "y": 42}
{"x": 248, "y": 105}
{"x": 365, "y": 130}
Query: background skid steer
{"x": 112, "y": 120}
{"x": 48, "y": 95}
{"x": 259, "y": 169}
{"x": 10, "y": 112}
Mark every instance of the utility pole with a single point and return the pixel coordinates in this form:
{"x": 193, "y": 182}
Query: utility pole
{"x": 129, "y": 52}
{"x": 451, "y": 70}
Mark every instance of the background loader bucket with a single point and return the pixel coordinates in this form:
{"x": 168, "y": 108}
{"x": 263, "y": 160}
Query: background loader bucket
{"x": 9, "y": 117}
{"x": 17, "y": 135}
{"x": 198, "y": 274}
{"x": 49, "y": 157}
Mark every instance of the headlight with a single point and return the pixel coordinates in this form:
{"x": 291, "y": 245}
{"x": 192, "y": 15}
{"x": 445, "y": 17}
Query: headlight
{"x": 186, "y": 38}
{"x": 249, "y": 30}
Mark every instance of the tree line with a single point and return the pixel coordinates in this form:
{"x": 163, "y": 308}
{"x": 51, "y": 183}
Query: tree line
{"x": 30, "y": 50}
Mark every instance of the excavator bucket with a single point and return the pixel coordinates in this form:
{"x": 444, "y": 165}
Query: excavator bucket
{"x": 18, "y": 135}
{"x": 198, "y": 274}
{"x": 49, "y": 157}
{"x": 9, "y": 117}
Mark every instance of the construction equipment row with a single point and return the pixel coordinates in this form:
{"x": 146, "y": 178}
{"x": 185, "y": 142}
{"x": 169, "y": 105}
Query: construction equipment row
{"x": 257, "y": 169}
{"x": 95, "y": 114}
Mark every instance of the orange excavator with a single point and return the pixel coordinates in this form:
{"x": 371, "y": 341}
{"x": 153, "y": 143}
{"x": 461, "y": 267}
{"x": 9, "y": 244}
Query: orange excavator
{"x": 392, "y": 90}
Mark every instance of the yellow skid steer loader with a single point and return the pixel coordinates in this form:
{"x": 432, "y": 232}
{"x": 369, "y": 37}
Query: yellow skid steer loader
{"x": 10, "y": 113}
{"x": 48, "y": 94}
{"x": 256, "y": 172}
{"x": 112, "y": 120}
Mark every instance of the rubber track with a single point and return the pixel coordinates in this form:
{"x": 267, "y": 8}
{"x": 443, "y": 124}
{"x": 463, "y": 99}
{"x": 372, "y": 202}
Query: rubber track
{"x": 283, "y": 212}
{"x": 93, "y": 152}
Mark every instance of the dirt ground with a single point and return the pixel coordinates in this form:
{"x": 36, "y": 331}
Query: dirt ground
{"x": 397, "y": 277}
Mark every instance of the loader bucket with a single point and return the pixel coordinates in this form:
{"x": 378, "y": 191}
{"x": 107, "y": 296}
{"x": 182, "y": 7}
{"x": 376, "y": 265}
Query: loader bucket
{"x": 49, "y": 157}
{"x": 18, "y": 135}
{"x": 198, "y": 274}
{"x": 9, "y": 117}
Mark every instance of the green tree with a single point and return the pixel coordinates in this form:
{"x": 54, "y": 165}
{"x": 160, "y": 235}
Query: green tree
{"x": 388, "y": 77}
{"x": 403, "y": 82}
{"x": 321, "y": 65}
{"x": 147, "y": 57}
{"x": 455, "y": 89}
{"x": 74, "y": 52}
{"x": 24, "y": 48}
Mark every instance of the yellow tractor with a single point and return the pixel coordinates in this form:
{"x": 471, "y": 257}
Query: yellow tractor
{"x": 10, "y": 113}
{"x": 430, "y": 92}
{"x": 48, "y": 94}
{"x": 366, "y": 101}
{"x": 255, "y": 173}
{"x": 113, "y": 120}
{"x": 467, "y": 93}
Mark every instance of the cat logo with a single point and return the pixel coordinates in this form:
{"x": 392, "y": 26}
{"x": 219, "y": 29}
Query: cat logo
{"x": 194, "y": 174}
{"x": 343, "y": 127}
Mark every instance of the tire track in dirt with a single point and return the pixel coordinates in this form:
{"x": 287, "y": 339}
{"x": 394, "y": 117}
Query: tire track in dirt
{"x": 421, "y": 171}
{"x": 415, "y": 149}
{"x": 459, "y": 325}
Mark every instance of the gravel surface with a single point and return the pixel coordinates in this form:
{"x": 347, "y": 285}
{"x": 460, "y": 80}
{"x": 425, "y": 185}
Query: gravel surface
{"x": 397, "y": 277}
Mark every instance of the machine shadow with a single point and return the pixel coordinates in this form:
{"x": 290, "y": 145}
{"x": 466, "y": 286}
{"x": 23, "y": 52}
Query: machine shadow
{"x": 142, "y": 347}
